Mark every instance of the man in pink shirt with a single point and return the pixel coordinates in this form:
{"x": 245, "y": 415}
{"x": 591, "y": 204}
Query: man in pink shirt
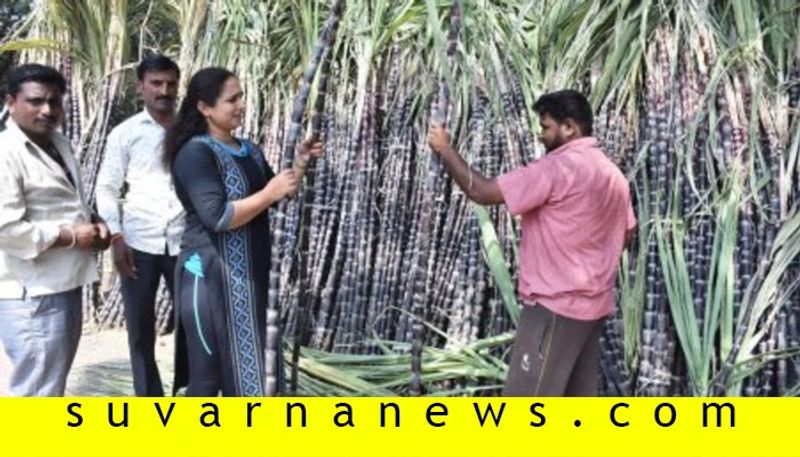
{"x": 576, "y": 218}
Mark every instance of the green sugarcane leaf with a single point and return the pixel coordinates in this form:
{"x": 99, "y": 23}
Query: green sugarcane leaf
{"x": 32, "y": 43}
{"x": 493, "y": 252}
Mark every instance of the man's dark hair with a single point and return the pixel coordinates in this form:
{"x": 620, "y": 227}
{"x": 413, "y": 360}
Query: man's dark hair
{"x": 156, "y": 62}
{"x": 36, "y": 73}
{"x": 567, "y": 104}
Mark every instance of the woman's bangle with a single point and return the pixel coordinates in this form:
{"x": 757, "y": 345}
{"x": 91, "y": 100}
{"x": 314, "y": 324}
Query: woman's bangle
{"x": 300, "y": 163}
{"x": 74, "y": 237}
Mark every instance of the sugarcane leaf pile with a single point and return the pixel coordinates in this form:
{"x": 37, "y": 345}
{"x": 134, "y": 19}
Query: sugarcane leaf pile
{"x": 386, "y": 280}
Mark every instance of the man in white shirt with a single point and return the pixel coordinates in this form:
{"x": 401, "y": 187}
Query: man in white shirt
{"x": 146, "y": 232}
{"x": 47, "y": 236}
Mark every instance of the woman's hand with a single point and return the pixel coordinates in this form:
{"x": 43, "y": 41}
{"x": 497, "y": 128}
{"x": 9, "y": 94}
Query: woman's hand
{"x": 310, "y": 147}
{"x": 282, "y": 185}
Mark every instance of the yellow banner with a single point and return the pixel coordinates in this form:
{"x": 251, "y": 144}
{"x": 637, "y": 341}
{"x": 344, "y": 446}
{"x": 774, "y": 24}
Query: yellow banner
{"x": 399, "y": 427}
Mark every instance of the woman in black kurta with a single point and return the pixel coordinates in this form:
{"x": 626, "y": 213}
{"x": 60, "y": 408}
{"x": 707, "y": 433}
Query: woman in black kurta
{"x": 225, "y": 186}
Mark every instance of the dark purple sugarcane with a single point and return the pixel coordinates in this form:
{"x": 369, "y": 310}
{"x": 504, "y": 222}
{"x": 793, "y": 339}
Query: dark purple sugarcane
{"x": 478, "y": 147}
{"x": 690, "y": 97}
{"x": 352, "y": 282}
{"x": 349, "y": 329}
{"x": 366, "y": 261}
{"x": 399, "y": 228}
{"x": 507, "y": 104}
{"x": 450, "y": 272}
{"x": 335, "y": 233}
{"x": 73, "y": 120}
{"x": 396, "y": 321}
{"x": 782, "y": 383}
{"x": 281, "y": 233}
{"x": 456, "y": 303}
{"x": 321, "y": 212}
{"x": 456, "y": 312}
{"x": 655, "y": 371}
{"x": 615, "y": 373}
{"x": 345, "y": 295}
{"x": 474, "y": 279}
{"x": 286, "y": 234}
{"x": 331, "y": 296}
{"x": 307, "y": 294}
{"x": 388, "y": 195}
{"x": 426, "y": 222}
{"x": 438, "y": 237}
{"x": 528, "y": 141}
{"x": 647, "y": 371}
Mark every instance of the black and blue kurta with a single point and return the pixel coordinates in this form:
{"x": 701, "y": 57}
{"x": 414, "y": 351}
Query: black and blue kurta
{"x": 221, "y": 278}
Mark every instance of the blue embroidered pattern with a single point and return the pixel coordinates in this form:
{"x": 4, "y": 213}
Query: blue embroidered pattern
{"x": 248, "y": 365}
{"x": 195, "y": 266}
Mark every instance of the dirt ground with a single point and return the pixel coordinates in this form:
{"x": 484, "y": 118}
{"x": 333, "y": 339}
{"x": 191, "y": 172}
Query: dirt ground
{"x": 102, "y": 365}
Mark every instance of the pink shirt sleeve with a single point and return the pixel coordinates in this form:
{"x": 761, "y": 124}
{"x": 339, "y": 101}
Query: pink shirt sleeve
{"x": 528, "y": 187}
{"x": 631, "y": 223}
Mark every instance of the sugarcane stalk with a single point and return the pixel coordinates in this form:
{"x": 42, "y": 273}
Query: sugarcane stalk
{"x": 426, "y": 222}
{"x": 306, "y": 294}
{"x": 283, "y": 229}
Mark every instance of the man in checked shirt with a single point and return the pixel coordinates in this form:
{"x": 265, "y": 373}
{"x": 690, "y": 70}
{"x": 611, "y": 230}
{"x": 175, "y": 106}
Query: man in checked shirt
{"x": 147, "y": 230}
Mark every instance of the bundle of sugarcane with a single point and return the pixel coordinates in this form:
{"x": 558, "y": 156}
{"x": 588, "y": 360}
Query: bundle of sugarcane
{"x": 306, "y": 293}
{"x": 430, "y": 216}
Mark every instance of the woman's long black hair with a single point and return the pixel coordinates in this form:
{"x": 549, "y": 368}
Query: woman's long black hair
{"x": 205, "y": 86}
